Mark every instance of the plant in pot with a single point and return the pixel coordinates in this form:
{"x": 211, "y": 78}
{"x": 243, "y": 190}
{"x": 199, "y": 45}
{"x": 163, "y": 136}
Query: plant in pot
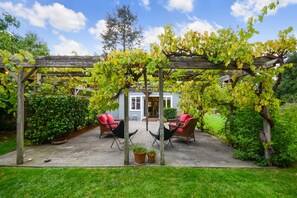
{"x": 139, "y": 153}
{"x": 151, "y": 154}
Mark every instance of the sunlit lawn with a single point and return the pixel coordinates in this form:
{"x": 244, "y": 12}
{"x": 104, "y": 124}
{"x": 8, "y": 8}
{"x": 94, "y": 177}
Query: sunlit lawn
{"x": 215, "y": 122}
{"x": 147, "y": 182}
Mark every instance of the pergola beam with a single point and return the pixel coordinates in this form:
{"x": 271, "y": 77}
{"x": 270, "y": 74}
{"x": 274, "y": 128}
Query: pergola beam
{"x": 60, "y": 62}
{"x": 203, "y": 63}
{"x": 64, "y": 74}
{"x": 29, "y": 74}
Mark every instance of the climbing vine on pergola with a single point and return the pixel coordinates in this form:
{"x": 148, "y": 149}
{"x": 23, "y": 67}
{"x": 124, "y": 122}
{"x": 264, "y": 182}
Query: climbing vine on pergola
{"x": 225, "y": 50}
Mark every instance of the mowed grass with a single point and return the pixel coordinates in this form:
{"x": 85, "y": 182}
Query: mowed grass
{"x": 215, "y": 122}
{"x": 147, "y": 182}
{"x": 8, "y": 144}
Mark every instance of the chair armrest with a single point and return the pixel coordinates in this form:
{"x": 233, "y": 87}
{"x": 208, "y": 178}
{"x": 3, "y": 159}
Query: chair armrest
{"x": 173, "y": 120}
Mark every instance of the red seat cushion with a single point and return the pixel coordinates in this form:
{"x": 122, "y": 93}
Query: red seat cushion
{"x": 180, "y": 131}
{"x": 184, "y": 117}
{"x": 114, "y": 126}
{"x": 110, "y": 118}
{"x": 103, "y": 119}
{"x": 187, "y": 121}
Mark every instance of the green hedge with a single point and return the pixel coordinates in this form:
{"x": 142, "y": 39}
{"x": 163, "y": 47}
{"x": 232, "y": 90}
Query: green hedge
{"x": 54, "y": 116}
{"x": 170, "y": 113}
{"x": 243, "y": 135}
{"x": 284, "y": 136}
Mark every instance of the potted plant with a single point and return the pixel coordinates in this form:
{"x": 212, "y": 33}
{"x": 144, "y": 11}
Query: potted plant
{"x": 151, "y": 154}
{"x": 139, "y": 154}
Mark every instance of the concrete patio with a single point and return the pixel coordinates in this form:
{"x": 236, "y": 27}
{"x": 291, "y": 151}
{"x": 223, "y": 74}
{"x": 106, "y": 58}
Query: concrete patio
{"x": 87, "y": 150}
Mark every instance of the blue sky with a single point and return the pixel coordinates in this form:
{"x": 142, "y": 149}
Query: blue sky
{"x": 75, "y": 25}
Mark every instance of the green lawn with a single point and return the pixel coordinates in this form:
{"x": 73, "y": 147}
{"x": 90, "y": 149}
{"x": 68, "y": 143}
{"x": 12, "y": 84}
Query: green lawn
{"x": 147, "y": 182}
{"x": 8, "y": 144}
{"x": 215, "y": 122}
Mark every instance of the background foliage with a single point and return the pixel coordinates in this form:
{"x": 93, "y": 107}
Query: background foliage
{"x": 287, "y": 90}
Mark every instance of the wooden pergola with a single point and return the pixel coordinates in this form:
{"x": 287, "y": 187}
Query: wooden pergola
{"x": 87, "y": 62}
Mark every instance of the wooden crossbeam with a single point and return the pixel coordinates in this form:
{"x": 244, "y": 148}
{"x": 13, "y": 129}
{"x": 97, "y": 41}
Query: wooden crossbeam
{"x": 65, "y": 74}
{"x": 61, "y": 62}
{"x": 203, "y": 63}
{"x": 175, "y": 62}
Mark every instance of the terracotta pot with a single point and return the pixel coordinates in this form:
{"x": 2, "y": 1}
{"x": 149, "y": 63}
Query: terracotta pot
{"x": 139, "y": 158}
{"x": 151, "y": 158}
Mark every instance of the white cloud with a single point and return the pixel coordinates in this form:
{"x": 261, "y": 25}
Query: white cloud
{"x": 198, "y": 25}
{"x": 151, "y": 35}
{"x": 67, "y": 47}
{"x": 250, "y": 8}
{"x": 99, "y": 29}
{"x": 182, "y": 5}
{"x": 145, "y": 4}
{"x": 56, "y": 15}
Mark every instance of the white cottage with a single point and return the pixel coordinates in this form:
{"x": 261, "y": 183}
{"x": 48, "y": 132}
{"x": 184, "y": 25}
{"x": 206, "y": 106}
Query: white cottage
{"x": 137, "y": 105}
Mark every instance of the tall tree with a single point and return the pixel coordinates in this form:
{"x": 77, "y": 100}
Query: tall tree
{"x": 11, "y": 43}
{"x": 122, "y": 32}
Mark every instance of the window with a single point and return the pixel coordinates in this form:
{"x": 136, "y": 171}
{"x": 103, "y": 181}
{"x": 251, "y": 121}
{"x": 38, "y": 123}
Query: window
{"x": 135, "y": 103}
{"x": 167, "y": 101}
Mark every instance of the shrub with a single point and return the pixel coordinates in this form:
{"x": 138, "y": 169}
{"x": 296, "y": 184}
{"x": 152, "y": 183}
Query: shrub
{"x": 284, "y": 136}
{"x": 245, "y": 126}
{"x": 54, "y": 116}
{"x": 243, "y": 135}
{"x": 170, "y": 113}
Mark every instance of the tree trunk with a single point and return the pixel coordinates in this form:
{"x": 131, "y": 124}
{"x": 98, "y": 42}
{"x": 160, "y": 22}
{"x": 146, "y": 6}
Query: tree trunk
{"x": 265, "y": 135}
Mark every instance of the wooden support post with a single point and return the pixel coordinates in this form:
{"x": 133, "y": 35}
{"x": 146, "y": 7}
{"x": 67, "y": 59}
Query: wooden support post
{"x": 146, "y": 101}
{"x": 267, "y": 134}
{"x": 161, "y": 113}
{"x": 20, "y": 118}
{"x": 126, "y": 129}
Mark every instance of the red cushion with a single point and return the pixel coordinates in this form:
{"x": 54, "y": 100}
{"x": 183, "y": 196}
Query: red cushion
{"x": 114, "y": 126}
{"x": 187, "y": 121}
{"x": 110, "y": 118}
{"x": 103, "y": 119}
{"x": 184, "y": 117}
{"x": 180, "y": 131}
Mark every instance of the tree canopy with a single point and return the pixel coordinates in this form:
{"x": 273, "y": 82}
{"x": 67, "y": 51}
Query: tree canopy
{"x": 11, "y": 44}
{"x": 122, "y": 32}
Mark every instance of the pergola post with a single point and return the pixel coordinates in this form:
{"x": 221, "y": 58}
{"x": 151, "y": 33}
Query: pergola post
{"x": 20, "y": 118}
{"x": 126, "y": 129}
{"x": 146, "y": 100}
{"x": 161, "y": 113}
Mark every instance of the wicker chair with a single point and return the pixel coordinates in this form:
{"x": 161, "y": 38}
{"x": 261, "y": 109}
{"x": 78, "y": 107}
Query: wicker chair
{"x": 187, "y": 130}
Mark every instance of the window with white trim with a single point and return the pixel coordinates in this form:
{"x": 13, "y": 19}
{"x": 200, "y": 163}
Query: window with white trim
{"x": 167, "y": 101}
{"x": 135, "y": 103}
